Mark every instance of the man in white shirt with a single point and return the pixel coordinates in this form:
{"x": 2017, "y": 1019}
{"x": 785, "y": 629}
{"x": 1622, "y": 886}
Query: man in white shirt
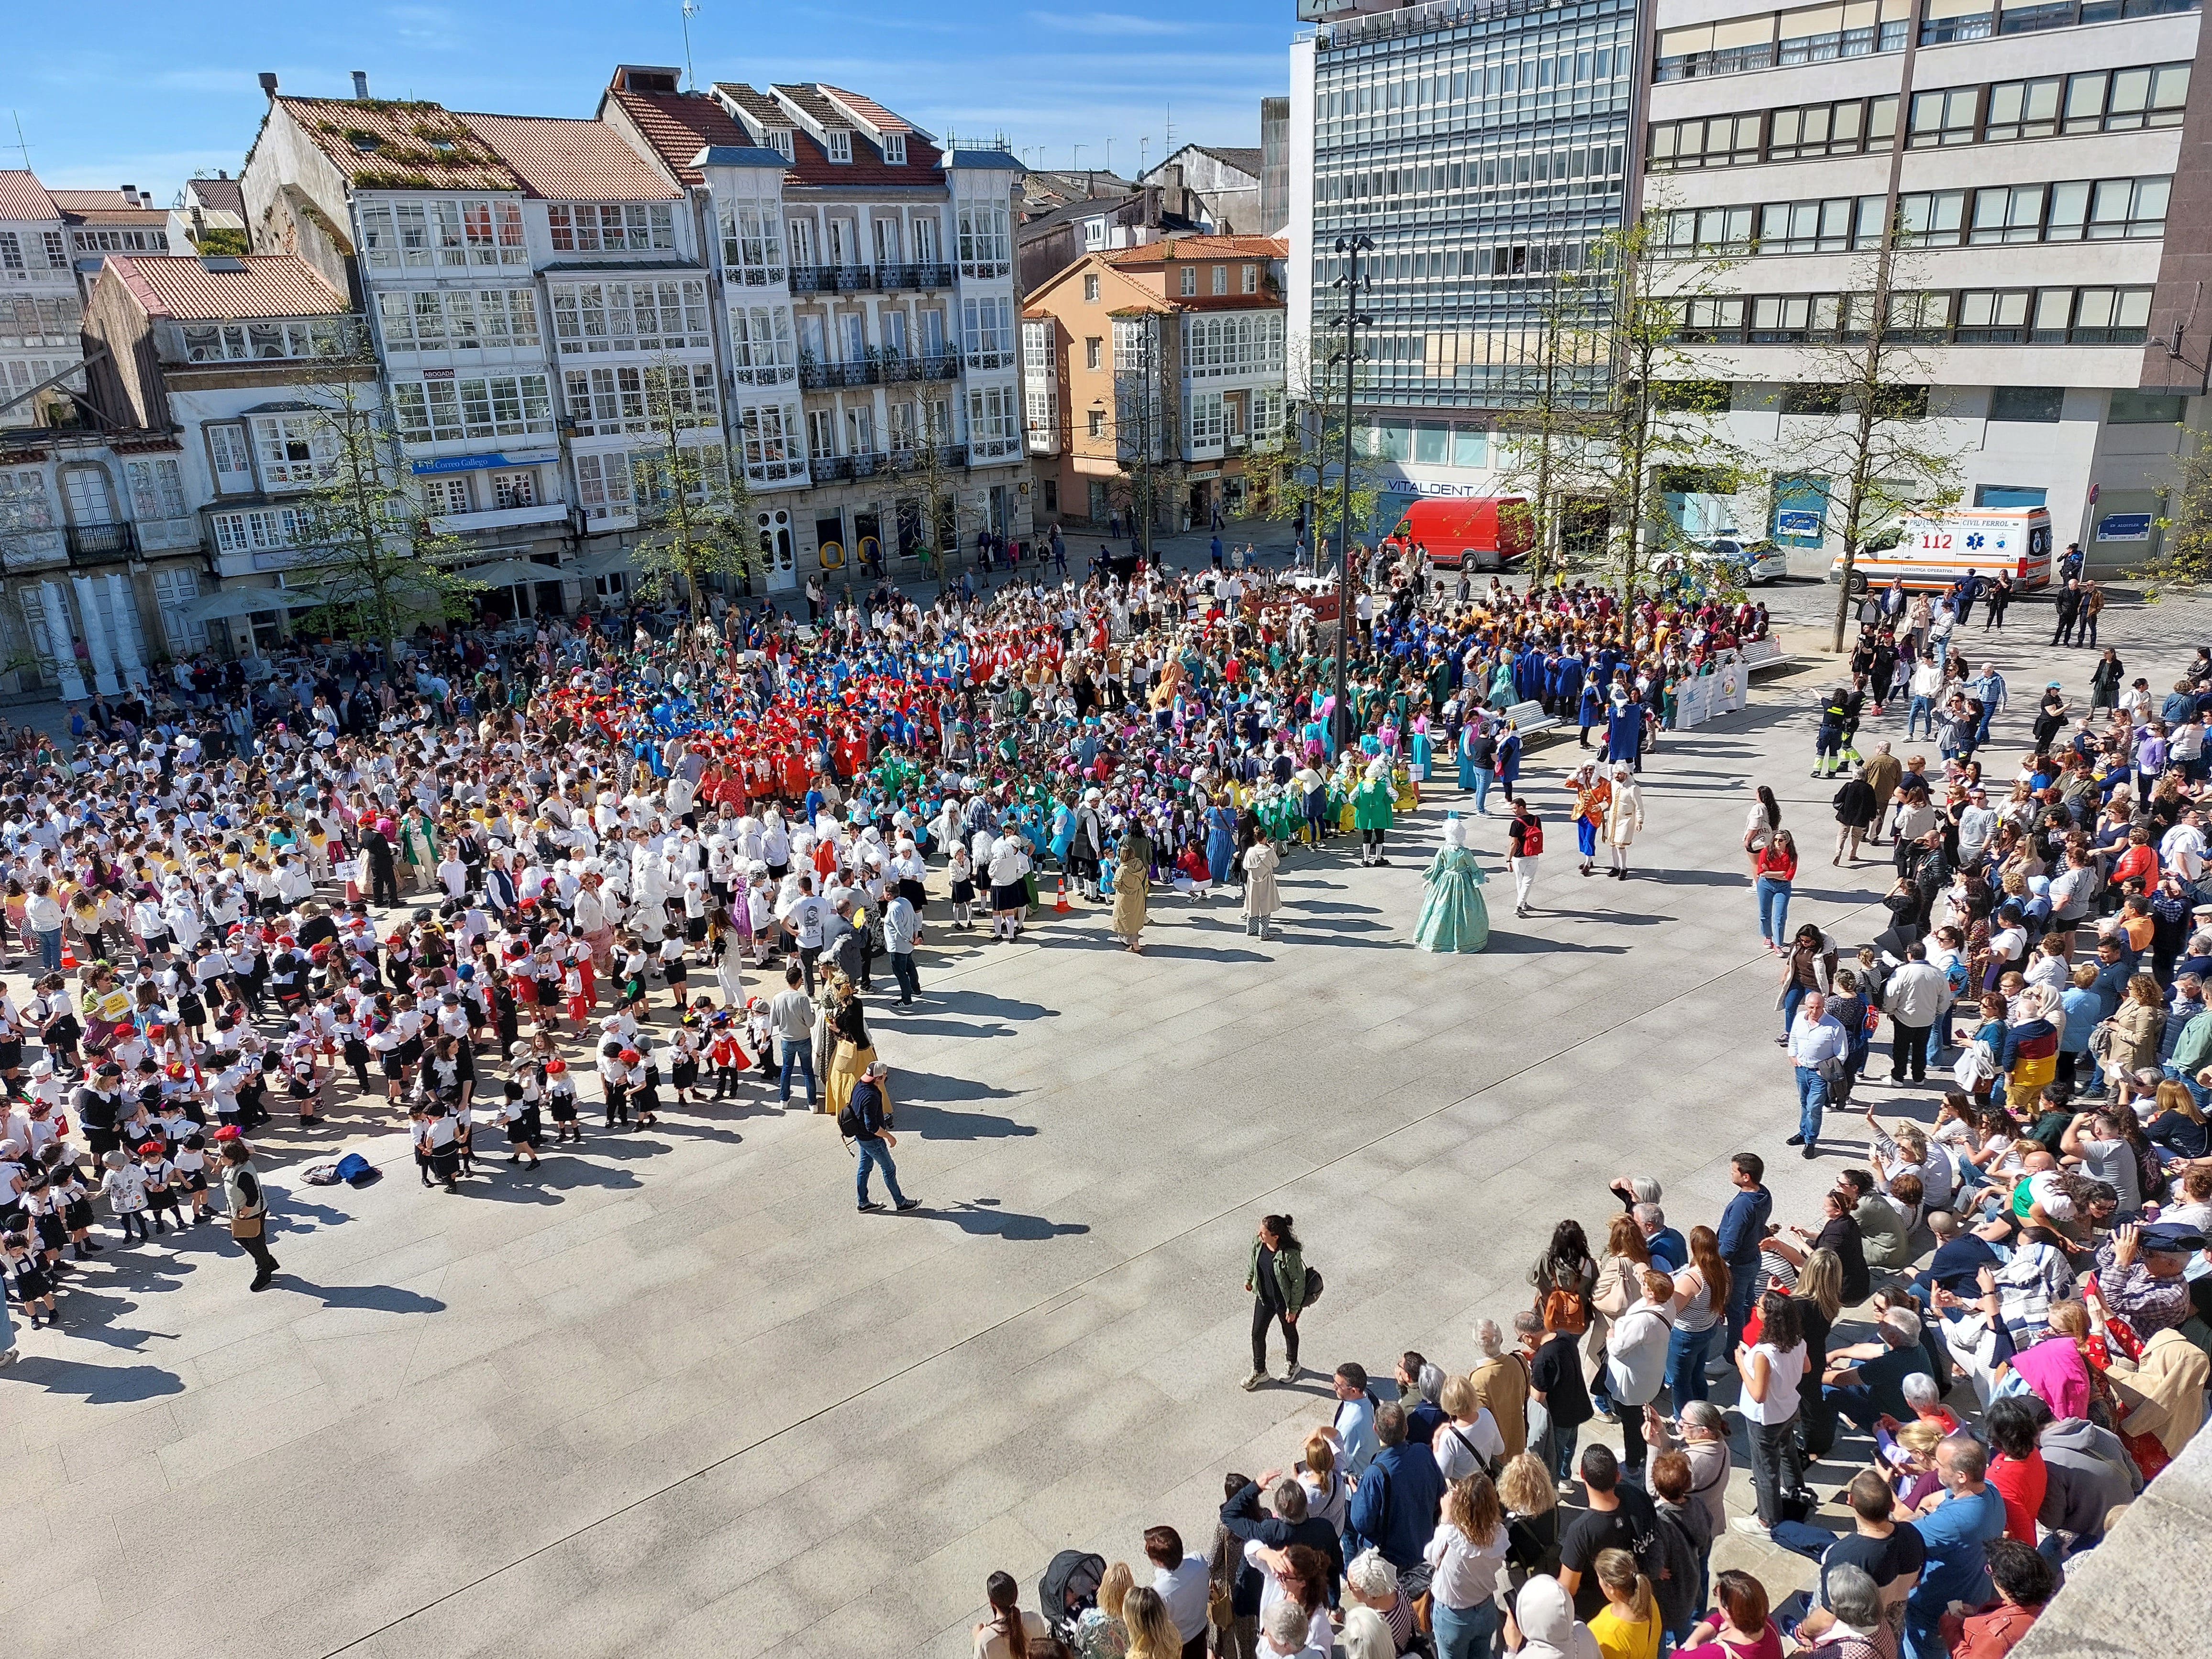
{"x": 1815, "y": 1042}
{"x": 804, "y": 920}
{"x": 1180, "y": 1580}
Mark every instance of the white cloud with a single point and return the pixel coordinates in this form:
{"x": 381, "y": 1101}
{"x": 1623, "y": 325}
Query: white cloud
{"x": 1107, "y": 22}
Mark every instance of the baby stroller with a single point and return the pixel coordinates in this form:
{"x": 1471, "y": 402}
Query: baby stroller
{"x": 1068, "y": 1589}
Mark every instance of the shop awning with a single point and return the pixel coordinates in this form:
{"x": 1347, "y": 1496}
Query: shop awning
{"x": 229, "y": 602}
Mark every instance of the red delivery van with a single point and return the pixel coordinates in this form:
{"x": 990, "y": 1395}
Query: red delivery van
{"x": 1478, "y": 532}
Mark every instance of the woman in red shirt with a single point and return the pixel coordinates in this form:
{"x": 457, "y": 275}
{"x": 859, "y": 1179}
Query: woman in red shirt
{"x": 2140, "y": 860}
{"x": 1773, "y": 866}
{"x": 2017, "y": 1471}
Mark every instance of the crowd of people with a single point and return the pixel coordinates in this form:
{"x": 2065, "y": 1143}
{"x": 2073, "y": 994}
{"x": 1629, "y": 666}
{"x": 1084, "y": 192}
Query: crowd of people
{"x": 2019, "y": 1247}
{"x": 448, "y": 889}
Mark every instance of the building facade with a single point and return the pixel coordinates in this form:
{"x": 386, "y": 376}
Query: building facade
{"x": 40, "y": 307}
{"x": 228, "y": 359}
{"x": 2049, "y": 244}
{"x": 1215, "y": 188}
{"x": 1177, "y": 348}
{"x": 1480, "y": 147}
{"x": 866, "y": 280}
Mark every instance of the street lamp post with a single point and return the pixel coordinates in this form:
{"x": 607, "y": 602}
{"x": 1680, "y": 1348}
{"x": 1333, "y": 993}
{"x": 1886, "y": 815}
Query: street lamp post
{"x": 1351, "y": 247}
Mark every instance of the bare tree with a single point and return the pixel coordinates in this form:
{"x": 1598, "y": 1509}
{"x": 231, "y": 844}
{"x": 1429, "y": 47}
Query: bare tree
{"x": 1877, "y": 458}
{"x": 694, "y": 507}
{"x": 369, "y": 546}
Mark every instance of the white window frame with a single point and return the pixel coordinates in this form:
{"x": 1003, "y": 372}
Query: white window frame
{"x": 230, "y": 458}
{"x": 294, "y": 451}
{"x": 840, "y": 146}
{"x": 894, "y": 150}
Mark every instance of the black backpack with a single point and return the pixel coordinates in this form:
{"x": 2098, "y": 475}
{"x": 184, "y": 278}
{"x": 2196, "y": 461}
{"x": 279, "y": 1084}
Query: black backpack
{"x": 848, "y": 1121}
{"x": 1314, "y": 1288}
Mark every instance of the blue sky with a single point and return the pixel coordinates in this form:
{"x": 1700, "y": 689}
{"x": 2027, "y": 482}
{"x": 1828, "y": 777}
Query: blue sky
{"x": 138, "y": 92}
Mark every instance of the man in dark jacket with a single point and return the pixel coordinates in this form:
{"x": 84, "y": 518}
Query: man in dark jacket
{"x": 1743, "y": 1229}
{"x": 871, "y": 1134}
{"x": 1395, "y": 1508}
{"x": 1855, "y": 810}
{"x": 1290, "y": 1524}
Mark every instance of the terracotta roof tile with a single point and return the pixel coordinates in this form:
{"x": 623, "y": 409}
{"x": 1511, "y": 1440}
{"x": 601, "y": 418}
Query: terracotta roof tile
{"x": 678, "y": 126}
{"x": 870, "y": 110}
{"x": 570, "y": 160}
{"x": 267, "y": 285}
{"x": 22, "y": 197}
{"x": 1189, "y": 248}
{"x": 419, "y": 146}
{"x": 219, "y": 195}
{"x": 756, "y": 104}
{"x": 104, "y": 207}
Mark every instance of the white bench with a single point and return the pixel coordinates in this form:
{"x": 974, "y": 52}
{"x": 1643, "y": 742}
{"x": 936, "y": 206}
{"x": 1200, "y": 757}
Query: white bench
{"x": 1764, "y": 653}
{"x": 1528, "y": 719}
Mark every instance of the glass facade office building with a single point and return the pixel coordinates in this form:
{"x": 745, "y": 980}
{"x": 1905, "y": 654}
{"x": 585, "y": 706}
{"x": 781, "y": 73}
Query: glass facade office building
{"x": 1483, "y": 148}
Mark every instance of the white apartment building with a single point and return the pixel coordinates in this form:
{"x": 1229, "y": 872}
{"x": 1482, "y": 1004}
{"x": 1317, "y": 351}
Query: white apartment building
{"x": 865, "y": 297}
{"x": 2051, "y": 240}
{"x": 216, "y": 366}
{"x": 40, "y": 309}
{"x": 529, "y": 284}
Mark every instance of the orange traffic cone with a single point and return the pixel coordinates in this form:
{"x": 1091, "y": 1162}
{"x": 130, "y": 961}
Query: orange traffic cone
{"x": 1060, "y": 904}
{"x": 69, "y": 955}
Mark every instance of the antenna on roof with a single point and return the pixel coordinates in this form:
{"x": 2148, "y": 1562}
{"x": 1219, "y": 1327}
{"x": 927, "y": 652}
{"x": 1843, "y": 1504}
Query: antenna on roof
{"x": 1167, "y": 145}
{"x": 20, "y": 144}
{"x": 691, "y": 9}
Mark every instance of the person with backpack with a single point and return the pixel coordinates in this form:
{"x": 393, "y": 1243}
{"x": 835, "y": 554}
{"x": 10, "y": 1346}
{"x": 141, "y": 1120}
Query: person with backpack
{"x": 1275, "y": 1278}
{"x": 865, "y": 1119}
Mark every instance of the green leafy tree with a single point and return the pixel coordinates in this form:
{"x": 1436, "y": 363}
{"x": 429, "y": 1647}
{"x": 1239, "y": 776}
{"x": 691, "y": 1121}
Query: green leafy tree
{"x": 1552, "y": 415}
{"x": 1147, "y": 423}
{"x": 2181, "y": 556}
{"x": 1656, "y": 413}
{"x": 1299, "y": 473}
{"x": 695, "y": 509}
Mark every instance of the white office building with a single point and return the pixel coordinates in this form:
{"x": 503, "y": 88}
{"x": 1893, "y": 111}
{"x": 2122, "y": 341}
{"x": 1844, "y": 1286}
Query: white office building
{"x": 2051, "y": 244}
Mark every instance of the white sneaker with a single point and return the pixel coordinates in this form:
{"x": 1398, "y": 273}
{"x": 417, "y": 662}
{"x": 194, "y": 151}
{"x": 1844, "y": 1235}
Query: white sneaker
{"x": 1751, "y": 1526}
{"x": 1254, "y": 1381}
{"x": 1293, "y": 1374}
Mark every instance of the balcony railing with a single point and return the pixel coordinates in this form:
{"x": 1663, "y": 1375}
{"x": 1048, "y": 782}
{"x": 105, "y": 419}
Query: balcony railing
{"x": 821, "y": 377}
{"x": 765, "y": 375}
{"x": 990, "y": 359}
{"x": 102, "y": 544}
{"x": 768, "y": 472}
{"x": 813, "y": 279}
{"x": 981, "y": 450}
{"x": 984, "y": 270}
{"x": 829, "y": 467}
{"x": 940, "y": 368}
{"x": 916, "y": 277}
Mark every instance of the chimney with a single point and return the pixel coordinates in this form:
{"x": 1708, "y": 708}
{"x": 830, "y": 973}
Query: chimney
{"x": 269, "y": 82}
{"x": 360, "y": 86}
{"x": 129, "y": 193}
{"x": 199, "y": 225}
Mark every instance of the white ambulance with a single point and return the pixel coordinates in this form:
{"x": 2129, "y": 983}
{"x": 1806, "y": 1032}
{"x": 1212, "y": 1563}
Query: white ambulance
{"x": 1936, "y": 550}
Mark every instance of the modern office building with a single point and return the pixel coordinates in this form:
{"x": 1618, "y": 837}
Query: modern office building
{"x": 2051, "y": 243}
{"x": 1481, "y": 145}
{"x": 2050, "y": 248}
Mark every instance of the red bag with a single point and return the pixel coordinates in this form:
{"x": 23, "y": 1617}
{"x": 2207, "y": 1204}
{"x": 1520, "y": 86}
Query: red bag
{"x": 1532, "y": 838}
